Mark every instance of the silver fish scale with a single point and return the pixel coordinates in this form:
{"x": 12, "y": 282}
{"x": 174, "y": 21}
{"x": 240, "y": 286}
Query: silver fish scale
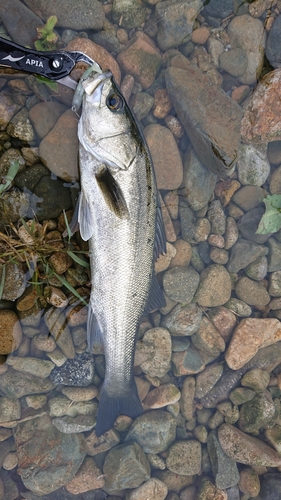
{"x": 121, "y": 253}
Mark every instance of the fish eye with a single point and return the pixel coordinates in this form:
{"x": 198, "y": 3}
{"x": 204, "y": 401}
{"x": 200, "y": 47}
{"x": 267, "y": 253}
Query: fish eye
{"x": 115, "y": 102}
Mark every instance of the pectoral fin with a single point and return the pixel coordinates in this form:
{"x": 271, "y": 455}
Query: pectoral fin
{"x": 112, "y": 194}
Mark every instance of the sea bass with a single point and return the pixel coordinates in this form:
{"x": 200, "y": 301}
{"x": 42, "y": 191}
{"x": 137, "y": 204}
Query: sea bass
{"x": 120, "y": 216}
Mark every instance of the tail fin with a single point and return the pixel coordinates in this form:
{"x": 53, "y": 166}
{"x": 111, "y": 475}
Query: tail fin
{"x": 111, "y": 407}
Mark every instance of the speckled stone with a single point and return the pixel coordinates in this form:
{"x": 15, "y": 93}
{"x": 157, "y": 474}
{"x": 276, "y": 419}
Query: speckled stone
{"x": 184, "y": 457}
{"x": 154, "y": 431}
{"x": 215, "y": 286}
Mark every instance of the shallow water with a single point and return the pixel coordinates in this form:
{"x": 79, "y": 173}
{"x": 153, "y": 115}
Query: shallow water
{"x": 204, "y": 84}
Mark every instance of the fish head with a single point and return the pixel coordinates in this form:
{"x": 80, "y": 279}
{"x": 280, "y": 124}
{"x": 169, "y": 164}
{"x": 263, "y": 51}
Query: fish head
{"x": 107, "y": 128}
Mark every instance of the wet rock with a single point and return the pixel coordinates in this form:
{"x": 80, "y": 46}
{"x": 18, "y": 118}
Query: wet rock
{"x": 259, "y": 413}
{"x": 180, "y": 283}
{"x": 208, "y": 339}
{"x": 59, "y": 148}
{"x": 48, "y": 189}
{"x": 174, "y": 125}
{"x": 96, "y": 445}
{"x": 153, "y": 488}
{"x": 60, "y": 406}
{"x": 15, "y": 384}
{"x": 44, "y": 342}
{"x": 87, "y": 478}
{"x": 36, "y": 401}
{"x": 252, "y": 292}
{"x": 7, "y": 157}
{"x": 224, "y": 468}
{"x": 135, "y": 56}
{"x": 183, "y": 254}
{"x": 231, "y": 233}
{"x": 187, "y": 362}
{"x": 202, "y": 231}
{"x": 224, "y": 321}
{"x": 207, "y": 379}
{"x": 274, "y": 255}
{"x": 219, "y": 255}
{"x": 215, "y": 286}
{"x": 9, "y": 409}
{"x": 250, "y": 335}
{"x": 80, "y": 393}
{"x": 74, "y": 425}
{"x": 187, "y": 221}
{"x": 44, "y": 116}
{"x": 274, "y": 37}
{"x": 55, "y": 321}
{"x": 241, "y": 395}
{"x": 10, "y": 488}
{"x": 274, "y": 152}
{"x": 90, "y": 17}
{"x": 107, "y": 40}
{"x": 271, "y": 486}
{"x": 162, "y": 104}
{"x": 20, "y": 126}
{"x": 97, "y": 53}
{"x": 125, "y": 466}
{"x": 183, "y": 320}
{"x": 219, "y": 8}
{"x": 132, "y": 13}
{"x": 8, "y": 109}
{"x": 141, "y": 103}
{"x": 165, "y": 155}
{"x": 17, "y": 14}
{"x": 198, "y": 182}
{"x": 235, "y": 61}
{"x": 200, "y": 35}
{"x": 184, "y": 457}
{"x": 208, "y": 490}
{"x": 217, "y": 217}
{"x": 267, "y": 356}
{"x": 243, "y": 253}
{"x": 10, "y": 332}
{"x": 224, "y": 190}
{"x": 248, "y": 225}
{"x": 252, "y": 165}
{"x": 187, "y": 398}
{"x": 214, "y": 136}
{"x": 15, "y": 281}
{"x": 10, "y": 461}
{"x": 273, "y": 437}
{"x": 75, "y": 372}
{"x": 275, "y": 181}
{"x": 47, "y": 458}
{"x": 154, "y": 431}
{"x": 153, "y": 352}
{"x": 39, "y": 367}
{"x": 163, "y": 395}
{"x": 260, "y": 123}
{"x": 174, "y": 482}
{"x": 246, "y": 449}
{"x": 249, "y": 197}
{"x": 238, "y": 30}
{"x": 175, "y": 21}
{"x": 257, "y": 270}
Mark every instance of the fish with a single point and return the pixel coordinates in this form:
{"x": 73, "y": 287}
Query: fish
{"x": 119, "y": 214}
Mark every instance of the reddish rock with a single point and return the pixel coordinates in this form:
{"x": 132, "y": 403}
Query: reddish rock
{"x": 163, "y": 395}
{"x": 59, "y": 149}
{"x": 225, "y": 190}
{"x": 246, "y": 449}
{"x": 88, "y": 477}
{"x": 95, "y": 445}
{"x": 183, "y": 255}
{"x": 10, "y": 332}
{"x": 224, "y": 321}
{"x": 162, "y": 104}
{"x": 261, "y": 121}
{"x": 250, "y": 335}
{"x": 140, "y": 58}
{"x": 165, "y": 155}
{"x": 200, "y": 35}
{"x": 169, "y": 228}
{"x": 44, "y": 115}
{"x": 97, "y": 53}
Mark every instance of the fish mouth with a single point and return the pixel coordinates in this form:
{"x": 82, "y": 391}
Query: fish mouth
{"x": 93, "y": 86}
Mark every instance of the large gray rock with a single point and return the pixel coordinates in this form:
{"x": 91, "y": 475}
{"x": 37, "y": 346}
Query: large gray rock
{"x": 47, "y": 458}
{"x": 154, "y": 431}
{"x": 91, "y": 14}
{"x": 15, "y": 14}
{"x": 224, "y": 468}
{"x": 125, "y": 466}
{"x": 175, "y": 21}
{"x": 210, "y": 117}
